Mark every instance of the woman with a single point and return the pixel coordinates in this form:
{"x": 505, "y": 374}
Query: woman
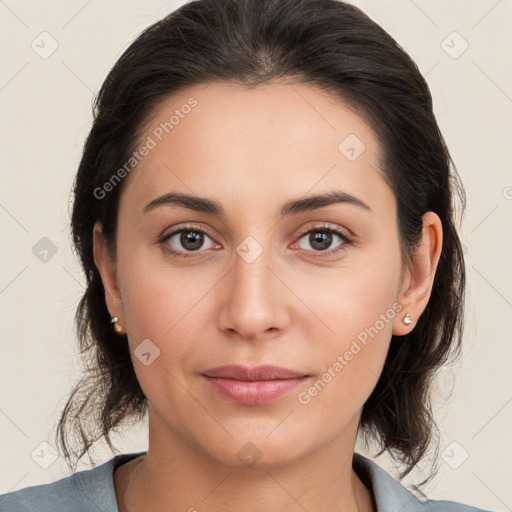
{"x": 264, "y": 211}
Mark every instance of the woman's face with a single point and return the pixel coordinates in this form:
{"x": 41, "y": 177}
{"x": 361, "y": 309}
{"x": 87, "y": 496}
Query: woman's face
{"x": 256, "y": 280}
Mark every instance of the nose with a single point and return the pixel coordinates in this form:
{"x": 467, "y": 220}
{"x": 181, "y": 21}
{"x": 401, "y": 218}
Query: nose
{"x": 254, "y": 299}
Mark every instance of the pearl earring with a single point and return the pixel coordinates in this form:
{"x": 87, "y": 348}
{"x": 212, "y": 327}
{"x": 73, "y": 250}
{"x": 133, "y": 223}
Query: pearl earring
{"x": 407, "y": 319}
{"x": 117, "y": 326}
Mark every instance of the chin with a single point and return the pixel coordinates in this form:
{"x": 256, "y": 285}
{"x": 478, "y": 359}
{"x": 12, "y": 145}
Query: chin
{"x": 257, "y": 451}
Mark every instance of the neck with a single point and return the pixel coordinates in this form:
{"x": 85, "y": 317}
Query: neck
{"x": 176, "y": 476}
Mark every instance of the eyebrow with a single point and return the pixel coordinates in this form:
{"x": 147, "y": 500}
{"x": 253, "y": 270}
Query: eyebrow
{"x": 292, "y": 207}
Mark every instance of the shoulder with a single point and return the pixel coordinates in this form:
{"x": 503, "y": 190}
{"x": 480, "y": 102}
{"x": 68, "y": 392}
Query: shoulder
{"x": 390, "y": 494}
{"x": 83, "y": 491}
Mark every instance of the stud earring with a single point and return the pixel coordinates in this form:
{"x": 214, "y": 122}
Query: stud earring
{"x": 117, "y": 326}
{"x": 407, "y": 319}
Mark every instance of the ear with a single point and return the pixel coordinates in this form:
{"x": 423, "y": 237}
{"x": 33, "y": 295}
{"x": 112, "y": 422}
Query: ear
{"x": 107, "y": 269}
{"x": 417, "y": 286}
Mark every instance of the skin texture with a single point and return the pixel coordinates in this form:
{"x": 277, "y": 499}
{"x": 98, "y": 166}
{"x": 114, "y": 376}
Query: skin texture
{"x": 253, "y": 150}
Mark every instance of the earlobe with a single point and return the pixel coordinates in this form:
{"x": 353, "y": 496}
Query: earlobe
{"x": 417, "y": 288}
{"x": 107, "y": 270}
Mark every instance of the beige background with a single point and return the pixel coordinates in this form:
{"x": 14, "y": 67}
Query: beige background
{"x": 46, "y": 112}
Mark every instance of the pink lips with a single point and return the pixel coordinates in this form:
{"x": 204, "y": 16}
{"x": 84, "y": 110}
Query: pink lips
{"x": 253, "y": 386}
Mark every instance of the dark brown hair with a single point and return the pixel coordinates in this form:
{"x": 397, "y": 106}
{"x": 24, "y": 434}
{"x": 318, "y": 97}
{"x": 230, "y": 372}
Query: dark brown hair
{"x": 325, "y": 43}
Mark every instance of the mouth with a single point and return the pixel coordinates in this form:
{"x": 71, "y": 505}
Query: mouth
{"x": 253, "y": 386}
{"x": 258, "y": 373}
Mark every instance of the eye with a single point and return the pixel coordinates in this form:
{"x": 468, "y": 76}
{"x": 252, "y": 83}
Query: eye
{"x": 322, "y": 237}
{"x": 191, "y": 239}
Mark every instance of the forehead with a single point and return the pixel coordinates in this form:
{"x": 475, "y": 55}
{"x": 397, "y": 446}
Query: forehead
{"x": 279, "y": 140}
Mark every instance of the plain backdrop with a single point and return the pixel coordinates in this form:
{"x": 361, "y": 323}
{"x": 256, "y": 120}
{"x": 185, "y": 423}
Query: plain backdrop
{"x": 463, "y": 49}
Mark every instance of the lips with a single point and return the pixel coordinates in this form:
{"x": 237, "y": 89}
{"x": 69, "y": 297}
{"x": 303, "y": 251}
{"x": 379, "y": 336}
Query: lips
{"x": 253, "y": 386}
{"x": 266, "y": 372}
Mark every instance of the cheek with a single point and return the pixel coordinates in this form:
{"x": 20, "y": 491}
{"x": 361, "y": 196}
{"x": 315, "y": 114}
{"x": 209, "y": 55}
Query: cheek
{"x": 357, "y": 308}
{"x": 160, "y": 306}
{"x": 352, "y": 297}
{"x": 160, "y": 302}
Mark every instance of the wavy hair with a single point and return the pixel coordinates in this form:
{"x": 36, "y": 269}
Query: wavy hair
{"x": 325, "y": 43}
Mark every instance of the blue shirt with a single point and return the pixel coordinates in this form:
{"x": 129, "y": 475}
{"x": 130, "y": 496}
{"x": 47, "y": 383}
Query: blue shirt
{"x": 92, "y": 490}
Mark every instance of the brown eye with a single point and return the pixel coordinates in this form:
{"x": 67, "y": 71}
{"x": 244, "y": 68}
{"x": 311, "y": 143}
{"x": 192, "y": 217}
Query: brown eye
{"x": 191, "y": 240}
{"x": 186, "y": 240}
{"x": 321, "y": 239}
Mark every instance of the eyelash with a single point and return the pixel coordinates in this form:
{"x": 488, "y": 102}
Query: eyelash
{"x": 320, "y": 254}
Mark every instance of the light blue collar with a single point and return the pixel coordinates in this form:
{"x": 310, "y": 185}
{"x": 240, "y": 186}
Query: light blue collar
{"x": 390, "y": 495}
